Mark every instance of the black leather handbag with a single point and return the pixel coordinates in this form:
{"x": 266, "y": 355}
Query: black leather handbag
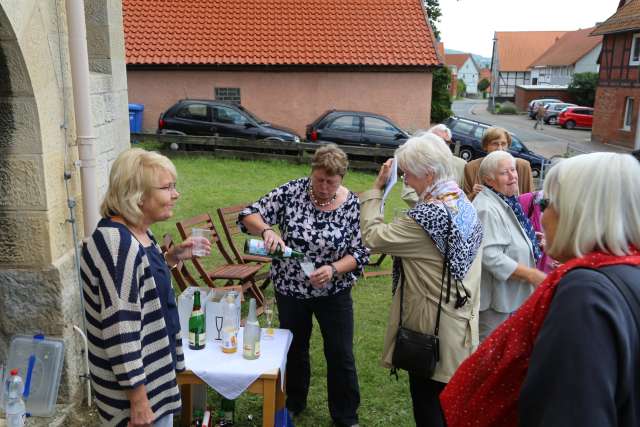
{"x": 416, "y": 352}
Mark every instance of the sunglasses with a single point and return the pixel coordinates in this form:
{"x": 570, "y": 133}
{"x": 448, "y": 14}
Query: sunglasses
{"x": 544, "y": 204}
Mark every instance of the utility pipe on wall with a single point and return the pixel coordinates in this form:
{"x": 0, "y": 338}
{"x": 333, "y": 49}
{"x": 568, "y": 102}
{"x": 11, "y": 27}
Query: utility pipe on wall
{"x": 79, "y": 59}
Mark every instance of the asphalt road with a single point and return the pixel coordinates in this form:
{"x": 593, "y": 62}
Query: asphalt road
{"x": 553, "y": 140}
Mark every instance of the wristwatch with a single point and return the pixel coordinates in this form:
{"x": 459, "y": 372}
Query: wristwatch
{"x": 334, "y": 271}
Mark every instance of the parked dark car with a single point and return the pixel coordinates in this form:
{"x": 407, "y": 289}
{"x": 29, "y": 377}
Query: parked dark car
{"x": 468, "y": 134}
{"x": 533, "y": 105}
{"x": 552, "y": 110}
{"x": 356, "y": 128}
{"x": 572, "y": 117}
{"x": 207, "y": 117}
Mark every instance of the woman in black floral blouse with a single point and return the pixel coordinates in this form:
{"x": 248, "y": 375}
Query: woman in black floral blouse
{"x": 319, "y": 217}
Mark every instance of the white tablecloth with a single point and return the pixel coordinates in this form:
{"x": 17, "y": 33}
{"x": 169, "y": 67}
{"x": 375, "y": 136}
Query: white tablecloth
{"x": 231, "y": 374}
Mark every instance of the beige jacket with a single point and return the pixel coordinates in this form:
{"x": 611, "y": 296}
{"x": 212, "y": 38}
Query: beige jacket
{"x": 422, "y": 263}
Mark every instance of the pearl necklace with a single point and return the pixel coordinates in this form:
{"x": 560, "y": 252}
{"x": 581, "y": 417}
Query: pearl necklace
{"x": 316, "y": 202}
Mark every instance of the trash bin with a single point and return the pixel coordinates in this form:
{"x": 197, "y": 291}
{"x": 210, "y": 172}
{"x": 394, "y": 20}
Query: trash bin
{"x": 135, "y": 117}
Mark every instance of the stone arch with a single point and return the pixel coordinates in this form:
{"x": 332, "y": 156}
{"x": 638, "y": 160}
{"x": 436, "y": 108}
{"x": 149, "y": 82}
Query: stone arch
{"x": 37, "y": 275}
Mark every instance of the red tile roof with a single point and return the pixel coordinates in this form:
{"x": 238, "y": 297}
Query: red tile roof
{"x": 569, "y": 49}
{"x": 278, "y": 32}
{"x": 627, "y": 18}
{"x": 518, "y": 49}
{"x": 456, "y": 59}
{"x": 485, "y": 73}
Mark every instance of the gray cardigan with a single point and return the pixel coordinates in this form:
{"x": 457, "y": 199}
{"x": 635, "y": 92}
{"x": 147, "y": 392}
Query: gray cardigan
{"x": 505, "y": 245}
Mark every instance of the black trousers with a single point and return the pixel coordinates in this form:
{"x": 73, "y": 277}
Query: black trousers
{"x": 426, "y": 403}
{"x": 335, "y": 317}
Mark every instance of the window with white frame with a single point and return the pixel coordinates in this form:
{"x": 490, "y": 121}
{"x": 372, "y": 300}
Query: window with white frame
{"x": 635, "y": 50}
{"x": 628, "y": 113}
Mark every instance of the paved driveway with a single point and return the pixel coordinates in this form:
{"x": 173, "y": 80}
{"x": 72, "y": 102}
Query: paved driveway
{"x": 553, "y": 140}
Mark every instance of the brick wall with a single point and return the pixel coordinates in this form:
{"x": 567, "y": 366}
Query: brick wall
{"x": 609, "y": 115}
{"x": 524, "y": 96}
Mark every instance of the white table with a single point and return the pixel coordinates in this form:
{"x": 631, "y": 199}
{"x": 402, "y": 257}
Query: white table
{"x": 231, "y": 374}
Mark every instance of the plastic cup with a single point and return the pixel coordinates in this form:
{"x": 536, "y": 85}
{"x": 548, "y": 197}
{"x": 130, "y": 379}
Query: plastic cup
{"x": 308, "y": 267}
{"x": 198, "y": 248}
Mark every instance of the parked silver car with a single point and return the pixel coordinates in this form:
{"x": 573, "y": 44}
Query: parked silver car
{"x": 552, "y": 111}
{"x": 533, "y": 105}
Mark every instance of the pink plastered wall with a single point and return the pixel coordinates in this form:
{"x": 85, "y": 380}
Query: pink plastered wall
{"x": 291, "y": 99}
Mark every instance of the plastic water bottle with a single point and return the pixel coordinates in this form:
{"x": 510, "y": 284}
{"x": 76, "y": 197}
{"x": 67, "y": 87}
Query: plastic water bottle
{"x": 14, "y": 405}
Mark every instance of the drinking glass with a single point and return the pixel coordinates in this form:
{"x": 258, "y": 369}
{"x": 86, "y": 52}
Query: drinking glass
{"x": 307, "y": 266}
{"x": 198, "y": 246}
{"x": 269, "y": 309}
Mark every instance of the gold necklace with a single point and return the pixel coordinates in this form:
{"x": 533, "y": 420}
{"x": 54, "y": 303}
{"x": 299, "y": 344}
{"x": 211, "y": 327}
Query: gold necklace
{"x": 316, "y": 202}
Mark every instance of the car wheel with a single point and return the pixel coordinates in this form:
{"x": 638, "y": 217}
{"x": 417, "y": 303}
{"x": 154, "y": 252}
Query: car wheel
{"x": 466, "y": 154}
{"x": 552, "y": 120}
{"x": 535, "y": 172}
{"x": 570, "y": 124}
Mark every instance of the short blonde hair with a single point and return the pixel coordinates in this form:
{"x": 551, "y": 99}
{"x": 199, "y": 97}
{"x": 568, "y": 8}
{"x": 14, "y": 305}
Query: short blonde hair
{"x": 426, "y": 154}
{"x": 330, "y": 158}
{"x": 490, "y": 162}
{"x": 494, "y": 133}
{"x": 598, "y": 204}
{"x": 132, "y": 177}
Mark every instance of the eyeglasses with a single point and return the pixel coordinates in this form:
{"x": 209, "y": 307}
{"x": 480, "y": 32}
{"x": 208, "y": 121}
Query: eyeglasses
{"x": 169, "y": 187}
{"x": 544, "y": 204}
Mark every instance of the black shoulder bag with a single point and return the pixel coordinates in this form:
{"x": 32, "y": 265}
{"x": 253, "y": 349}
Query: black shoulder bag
{"x": 416, "y": 352}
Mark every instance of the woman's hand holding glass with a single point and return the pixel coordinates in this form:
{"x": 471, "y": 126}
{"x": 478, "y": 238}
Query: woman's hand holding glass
{"x": 184, "y": 250}
{"x": 321, "y": 276}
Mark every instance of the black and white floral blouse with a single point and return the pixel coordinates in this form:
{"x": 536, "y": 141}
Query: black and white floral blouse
{"x": 324, "y": 237}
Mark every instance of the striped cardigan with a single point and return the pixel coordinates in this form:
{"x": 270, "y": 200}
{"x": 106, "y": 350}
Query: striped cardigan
{"x": 128, "y": 341}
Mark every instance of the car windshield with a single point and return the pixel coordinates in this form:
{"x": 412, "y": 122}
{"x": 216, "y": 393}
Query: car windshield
{"x": 252, "y": 116}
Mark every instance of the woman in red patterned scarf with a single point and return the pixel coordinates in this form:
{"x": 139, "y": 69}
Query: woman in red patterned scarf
{"x": 570, "y": 355}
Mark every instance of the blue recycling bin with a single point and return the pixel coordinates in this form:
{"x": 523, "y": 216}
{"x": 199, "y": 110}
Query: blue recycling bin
{"x": 135, "y": 117}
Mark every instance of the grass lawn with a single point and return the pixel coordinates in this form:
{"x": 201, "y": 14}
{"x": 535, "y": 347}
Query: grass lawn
{"x": 206, "y": 183}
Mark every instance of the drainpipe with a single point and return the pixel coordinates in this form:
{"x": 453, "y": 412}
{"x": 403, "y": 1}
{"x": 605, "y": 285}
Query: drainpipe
{"x": 79, "y": 59}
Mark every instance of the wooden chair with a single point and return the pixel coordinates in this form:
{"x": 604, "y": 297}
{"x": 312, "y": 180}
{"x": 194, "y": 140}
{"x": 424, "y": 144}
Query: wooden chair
{"x": 180, "y": 273}
{"x": 228, "y": 217}
{"x": 231, "y": 272}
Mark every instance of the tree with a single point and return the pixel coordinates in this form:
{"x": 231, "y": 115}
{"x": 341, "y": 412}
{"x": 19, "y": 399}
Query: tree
{"x": 461, "y": 88}
{"x": 583, "y": 88}
{"x": 483, "y": 85}
{"x": 434, "y": 13}
{"x": 440, "y": 98}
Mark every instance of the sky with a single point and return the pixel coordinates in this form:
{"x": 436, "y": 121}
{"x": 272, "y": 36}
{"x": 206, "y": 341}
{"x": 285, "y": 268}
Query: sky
{"x": 469, "y": 25}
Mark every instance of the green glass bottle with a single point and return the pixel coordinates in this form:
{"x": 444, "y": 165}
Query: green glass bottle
{"x": 196, "y": 324}
{"x": 256, "y": 247}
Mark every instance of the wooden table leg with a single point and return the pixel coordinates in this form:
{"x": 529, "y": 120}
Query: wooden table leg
{"x": 280, "y": 394}
{"x": 269, "y": 403}
{"x": 185, "y": 415}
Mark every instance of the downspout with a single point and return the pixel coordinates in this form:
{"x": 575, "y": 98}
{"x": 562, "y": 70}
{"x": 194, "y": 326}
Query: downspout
{"x": 85, "y": 138}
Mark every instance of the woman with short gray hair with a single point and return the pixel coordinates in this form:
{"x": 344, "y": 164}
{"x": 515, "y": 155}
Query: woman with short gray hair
{"x": 510, "y": 247}
{"x": 418, "y": 242}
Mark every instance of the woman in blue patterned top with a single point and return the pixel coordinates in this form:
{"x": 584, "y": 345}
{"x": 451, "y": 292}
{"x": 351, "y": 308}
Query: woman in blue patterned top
{"x": 132, "y": 318}
{"x": 319, "y": 217}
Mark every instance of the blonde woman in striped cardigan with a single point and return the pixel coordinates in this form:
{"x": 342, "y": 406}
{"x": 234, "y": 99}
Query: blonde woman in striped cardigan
{"x": 133, "y": 328}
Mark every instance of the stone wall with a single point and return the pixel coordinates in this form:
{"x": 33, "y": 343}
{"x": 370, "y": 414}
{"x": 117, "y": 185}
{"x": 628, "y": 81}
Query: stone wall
{"x": 38, "y": 279}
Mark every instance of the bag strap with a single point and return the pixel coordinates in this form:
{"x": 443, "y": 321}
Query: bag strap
{"x": 630, "y": 297}
{"x": 445, "y": 269}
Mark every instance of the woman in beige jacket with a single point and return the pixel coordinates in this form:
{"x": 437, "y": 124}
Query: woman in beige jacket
{"x": 417, "y": 243}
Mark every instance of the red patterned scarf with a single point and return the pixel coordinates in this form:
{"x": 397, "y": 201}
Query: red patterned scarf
{"x": 484, "y": 390}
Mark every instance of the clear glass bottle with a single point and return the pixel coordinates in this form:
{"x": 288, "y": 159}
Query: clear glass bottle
{"x": 251, "y": 336}
{"x": 230, "y": 323}
{"x": 257, "y": 247}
